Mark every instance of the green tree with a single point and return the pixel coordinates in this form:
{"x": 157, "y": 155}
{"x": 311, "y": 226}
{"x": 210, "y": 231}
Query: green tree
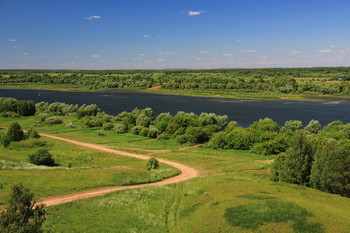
{"x": 299, "y": 160}
{"x": 15, "y": 132}
{"x": 331, "y": 169}
{"x": 42, "y": 157}
{"x": 152, "y": 163}
{"x": 5, "y": 141}
{"x": 32, "y": 133}
{"x": 313, "y": 127}
{"x": 22, "y": 215}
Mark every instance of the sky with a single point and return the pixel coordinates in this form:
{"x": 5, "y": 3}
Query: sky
{"x": 167, "y": 34}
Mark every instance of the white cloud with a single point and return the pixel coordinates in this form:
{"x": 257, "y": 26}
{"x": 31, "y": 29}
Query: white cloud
{"x": 159, "y": 37}
{"x": 13, "y": 40}
{"x": 194, "y": 13}
{"x": 294, "y": 52}
{"x": 333, "y": 46}
{"x": 227, "y": 54}
{"x": 198, "y": 59}
{"x": 249, "y": 51}
{"x": 239, "y": 40}
{"x": 205, "y": 52}
{"x": 160, "y": 60}
{"x": 263, "y": 57}
{"x": 145, "y": 36}
{"x": 93, "y": 17}
{"x": 95, "y": 56}
{"x": 324, "y": 51}
{"x": 142, "y": 54}
{"x": 25, "y": 54}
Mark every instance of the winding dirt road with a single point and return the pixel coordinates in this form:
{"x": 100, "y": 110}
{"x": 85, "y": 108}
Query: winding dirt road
{"x": 186, "y": 174}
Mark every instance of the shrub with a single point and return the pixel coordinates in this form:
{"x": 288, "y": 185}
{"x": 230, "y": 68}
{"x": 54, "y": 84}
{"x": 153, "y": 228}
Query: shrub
{"x": 33, "y": 142}
{"x": 136, "y": 130}
{"x": 153, "y": 132}
{"x": 143, "y": 120}
{"x": 119, "y": 128}
{"x": 54, "y": 120}
{"x": 152, "y": 163}
{"x": 32, "y": 133}
{"x": 23, "y": 214}
{"x": 42, "y": 117}
{"x": 313, "y": 127}
{"x": 107, "y": 126}
{"x": 15, "y": 132}
{"x": 144, "y": 132}
{"x": 9, "y": 114}
{"x": 42, "y": 157}
{"x": 5, "y": 141}
{"x": 70, "y": 125}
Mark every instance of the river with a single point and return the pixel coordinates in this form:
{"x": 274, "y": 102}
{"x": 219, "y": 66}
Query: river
{"x": 242, "y": 111}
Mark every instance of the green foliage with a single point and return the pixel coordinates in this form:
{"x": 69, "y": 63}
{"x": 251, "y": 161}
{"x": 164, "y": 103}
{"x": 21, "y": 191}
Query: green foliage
{"x": 136, "y": 130}
{"x": 314, "y": 126}
{"x": 32, "y": 142}
{"x": 119, "y": 129}
{"x": 152, "y": 163}
{"x": 251, "y": 216}
{"x": 32, "y": 133}
{"x": 5, "y": 140}
{"x": 20, "y": 107}
{"x": 88, "y": 110}
{"x": 54, "y": 120}
{"x": 22, "y": 214}
{"x": 15, "y": 132}
{"x": 107, "y": 126}
{"x": 42, "y": 157}
{"x": 277, "y": 167}
{"x": 331, "y": 168}
{"x": 292, "y": 126}
{"x": 143, "y": 120}
{"x": 297, "y": 166}
{"x": 238, "y": 138}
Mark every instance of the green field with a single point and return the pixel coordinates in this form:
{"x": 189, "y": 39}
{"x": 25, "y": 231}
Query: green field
{"x": 232, "y": 194}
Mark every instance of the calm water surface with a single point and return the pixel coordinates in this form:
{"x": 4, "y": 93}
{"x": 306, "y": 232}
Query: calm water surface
{"x": 244, "y": 112}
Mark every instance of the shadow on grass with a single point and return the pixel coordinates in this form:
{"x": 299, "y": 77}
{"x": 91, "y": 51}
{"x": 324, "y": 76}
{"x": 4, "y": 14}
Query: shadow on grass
{"x": 253, "y": 215}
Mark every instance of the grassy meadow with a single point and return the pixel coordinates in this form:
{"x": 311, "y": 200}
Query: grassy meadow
{"x": 232, "y": 194}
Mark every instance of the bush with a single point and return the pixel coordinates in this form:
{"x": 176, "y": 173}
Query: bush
{"x": 23, "y": 214}
{"x": 33, "y": 142}
{"x": 42, "y": 157}
{"x": 70, "y": 125}
{"x": 32, "y": 133}
{"x": 107, "y": 126}
{"x": 152, "y": 163}
{"x": 15, "y": 132}
{"x": 5, "y": 141}
{"x": 144, "y": 132}
{"x": 119, "y": 128}
{"x": 143, "y": 120}
{"x": 54, "y": 120}
{"x": 153, "y": 132}
{"x": 9, "y": 114}
{"x": 136, "y": 130}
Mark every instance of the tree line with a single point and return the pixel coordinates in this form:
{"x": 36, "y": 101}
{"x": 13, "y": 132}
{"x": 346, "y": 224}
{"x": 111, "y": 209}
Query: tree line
{"x": 271, "y": 80}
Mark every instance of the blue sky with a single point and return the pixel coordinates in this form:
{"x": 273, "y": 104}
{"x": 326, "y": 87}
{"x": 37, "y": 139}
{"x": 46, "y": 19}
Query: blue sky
{"x": 159, "y": 34}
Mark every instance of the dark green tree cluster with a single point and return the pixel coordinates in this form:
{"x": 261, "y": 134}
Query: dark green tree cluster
{"x": 8, "y": 106}
{"x": 315, "y": 161}
{"x": 42, "y": 157}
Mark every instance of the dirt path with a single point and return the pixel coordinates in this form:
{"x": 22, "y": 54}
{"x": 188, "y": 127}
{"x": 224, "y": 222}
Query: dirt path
{"x": 186, "y": 174}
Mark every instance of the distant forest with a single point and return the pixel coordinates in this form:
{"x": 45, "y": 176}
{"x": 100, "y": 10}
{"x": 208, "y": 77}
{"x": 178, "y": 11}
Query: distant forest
{"x": 324, "y": 80}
